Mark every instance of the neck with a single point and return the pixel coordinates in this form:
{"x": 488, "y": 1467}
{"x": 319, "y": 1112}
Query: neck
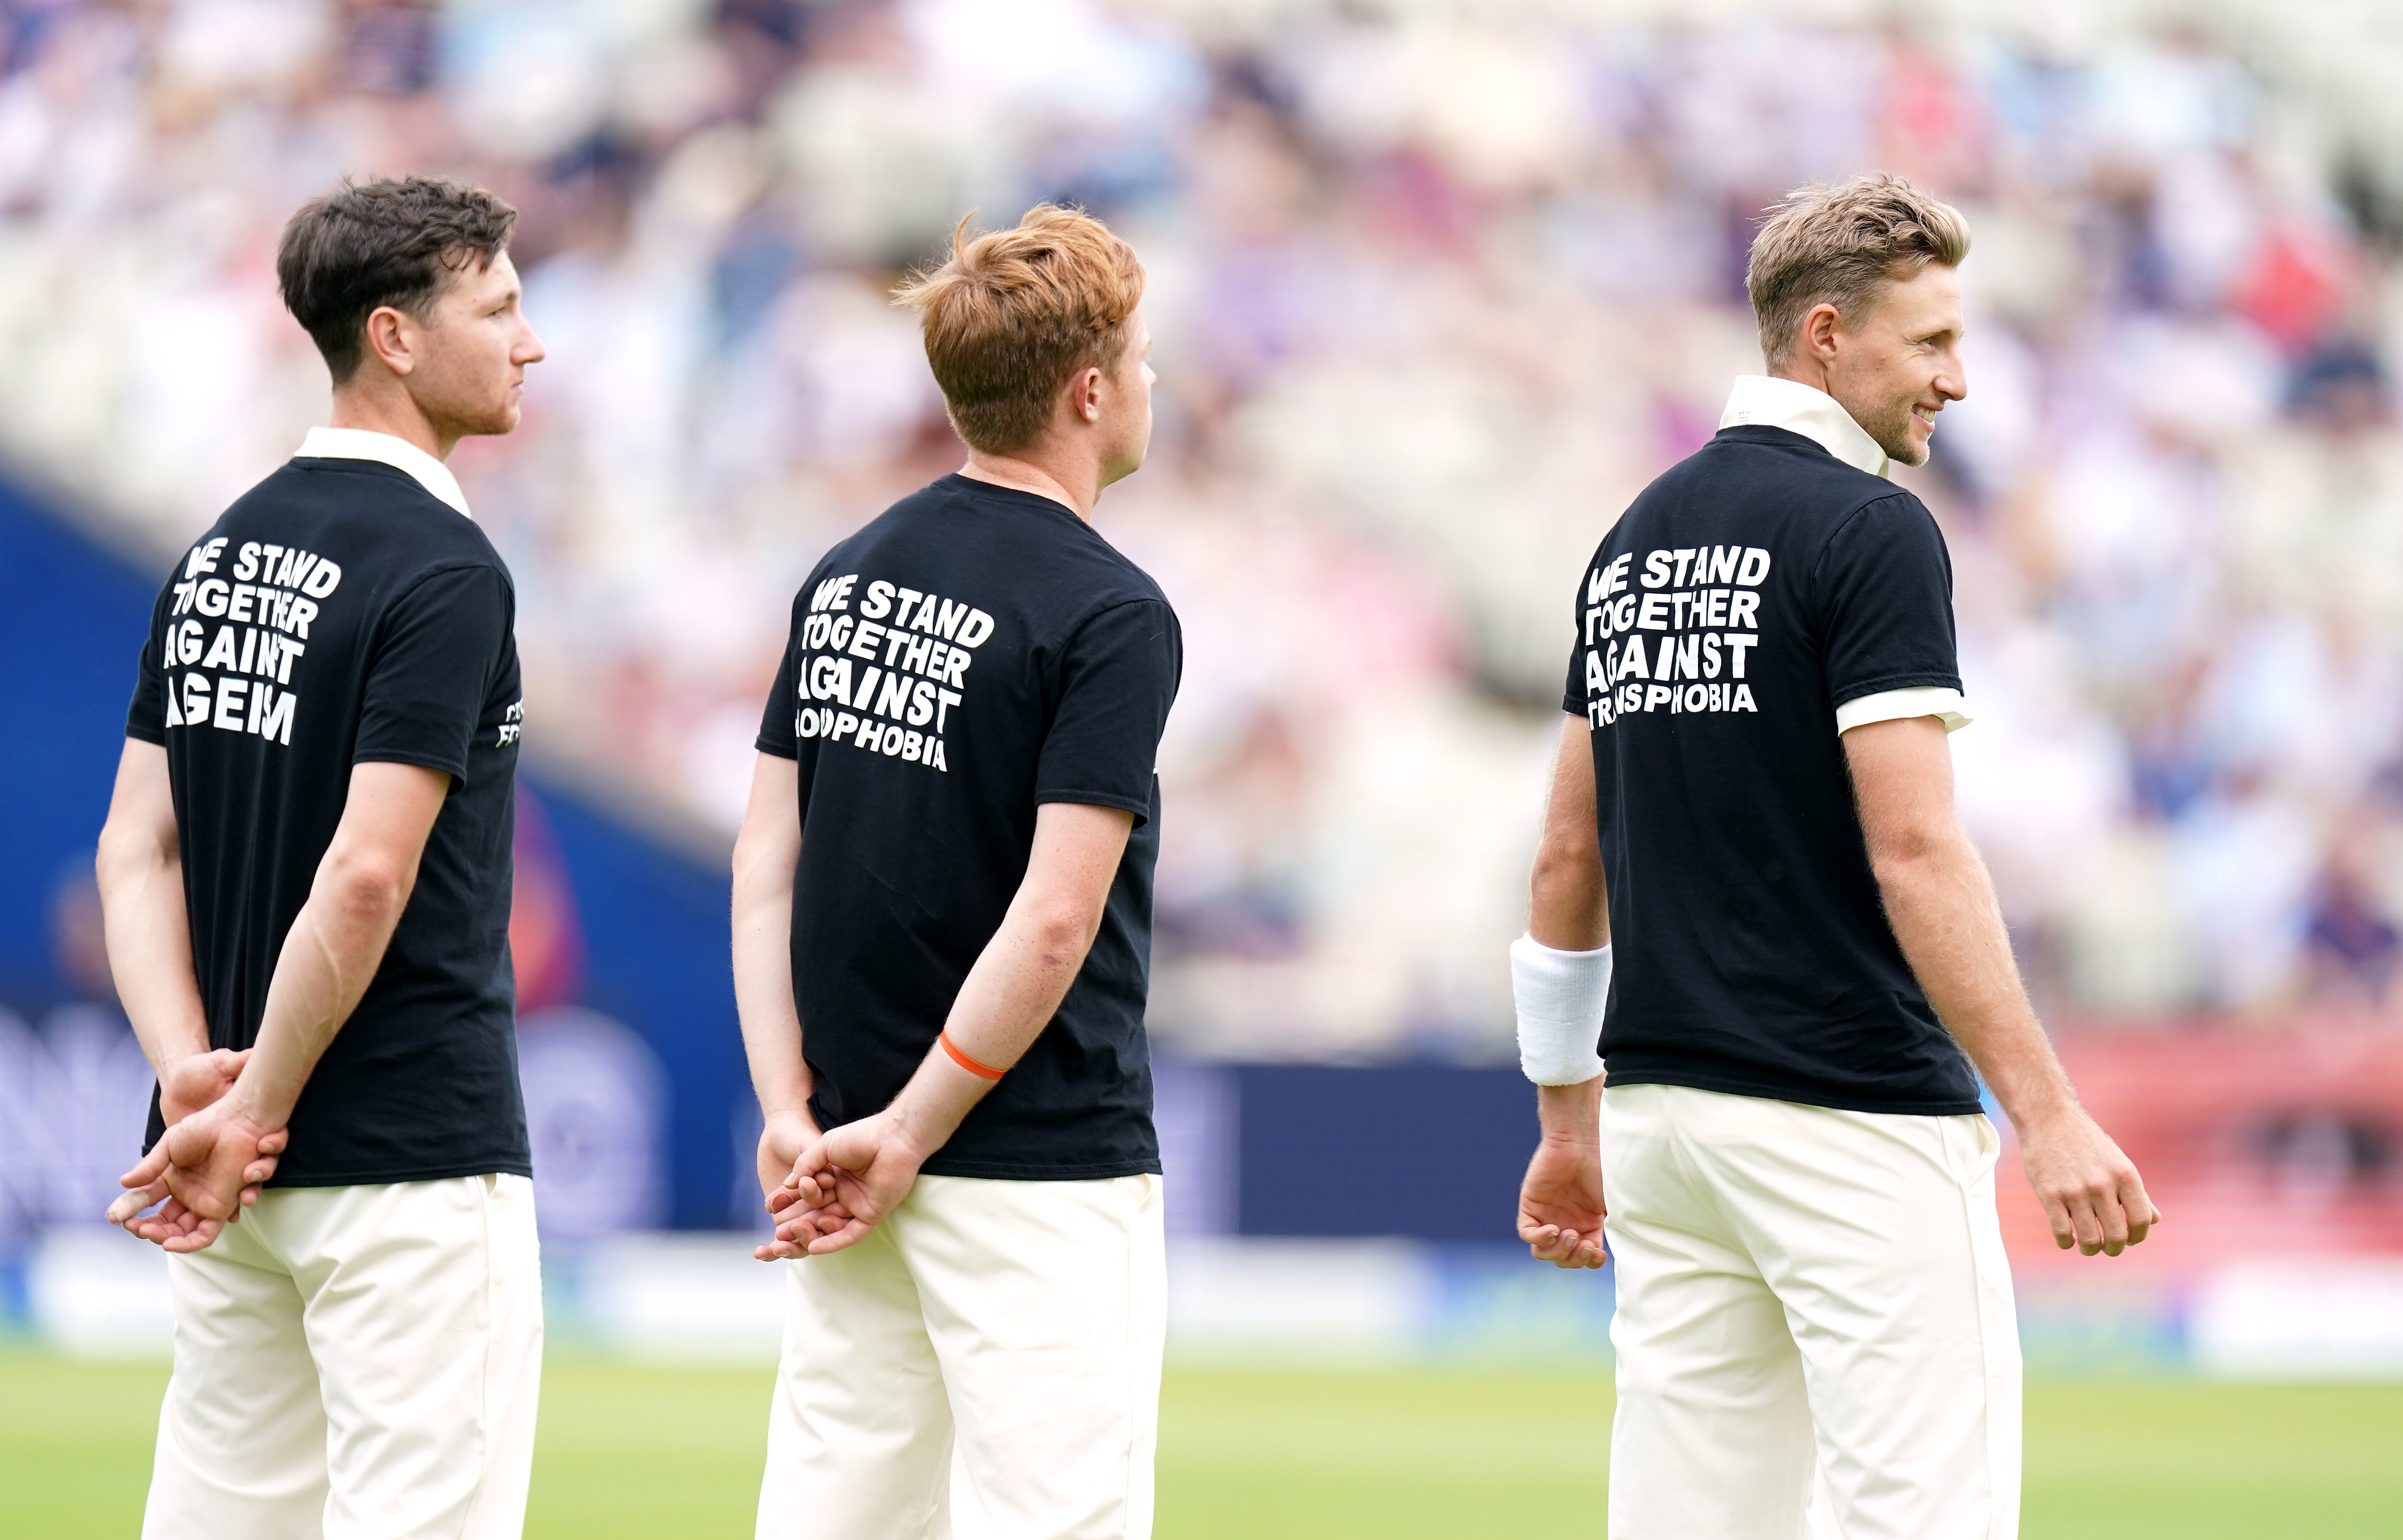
{"x": 1806, "y": 371}
{"x": 384, "y": 406}
{"x": 1075, "y": 480}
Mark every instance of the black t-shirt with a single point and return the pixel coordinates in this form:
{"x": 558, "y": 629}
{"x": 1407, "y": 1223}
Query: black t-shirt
{"x": 341, "y": 613}
{"x": 971, "y": 654}
{"x": 1747, "y": 594}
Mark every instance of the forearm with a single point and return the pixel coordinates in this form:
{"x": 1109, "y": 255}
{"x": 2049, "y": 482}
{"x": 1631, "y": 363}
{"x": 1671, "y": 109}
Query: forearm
{"x": 1006, "y": 1000}
{"x": 1941, "y": 904}
{"x": 149, "y": 936}
{"x": 329, "y": 956}
{"x": 763, "y": 990}
{"x": 1568, "y": 909}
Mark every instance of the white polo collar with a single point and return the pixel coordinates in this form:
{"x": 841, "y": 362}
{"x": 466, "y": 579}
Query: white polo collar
{"x": 399, "y": 453}
{"x": 1762, "y": 400}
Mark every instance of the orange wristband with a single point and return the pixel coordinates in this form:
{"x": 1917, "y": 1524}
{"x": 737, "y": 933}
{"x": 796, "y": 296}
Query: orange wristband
{"x": 986, "y": 1071}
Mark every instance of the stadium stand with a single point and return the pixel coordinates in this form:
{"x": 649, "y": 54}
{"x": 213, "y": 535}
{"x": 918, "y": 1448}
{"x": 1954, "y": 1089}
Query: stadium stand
{"x": 1434, "y": 297}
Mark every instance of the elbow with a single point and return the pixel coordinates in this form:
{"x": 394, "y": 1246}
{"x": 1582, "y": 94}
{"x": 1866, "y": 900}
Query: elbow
{"x": 110, "y": 858}
{"x": 745, "y": 865}
{"x": 125, "y": 854}
{"x": 762, "y": 861}
{"x": 756, "y": 864}
{"x": 1064, "y": 934}
{"x": 370, "y": 888}
{"x": 1566, "y": 872}
{"x": 1901, "y": 857}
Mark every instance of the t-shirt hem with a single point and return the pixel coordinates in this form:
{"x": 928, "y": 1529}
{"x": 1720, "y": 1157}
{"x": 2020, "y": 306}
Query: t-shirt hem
{"x": 389, "y": 1176}
{"x": 146, "y": 735}
{"x": 1800, "y": 1095}
{"x": 1878, "y": 685}
{"x": 453, "y": 768}
{"x": 781, "y": 751}
{"x": 1006, "y": 1171}
{"x": 1141, "y": 809}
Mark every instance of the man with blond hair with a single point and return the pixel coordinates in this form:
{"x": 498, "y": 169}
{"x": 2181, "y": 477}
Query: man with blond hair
{"x": 943, "y": 936}
{"x": 1754, "y": 793}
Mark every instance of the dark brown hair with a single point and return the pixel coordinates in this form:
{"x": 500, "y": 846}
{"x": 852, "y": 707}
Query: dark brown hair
{"x": 1015, "y": 312}
{"x": 366, "y": 245}
{"x": 1838, "y": 245}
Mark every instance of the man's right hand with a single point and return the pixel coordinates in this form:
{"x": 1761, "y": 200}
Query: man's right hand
{"x": 2092, "y": 1194}
{"x": 196, "y": 1081}
{"x": 1560, "y": 1206}
{"x": 847, "y": 1181}
{"x": 206, "y": 1169}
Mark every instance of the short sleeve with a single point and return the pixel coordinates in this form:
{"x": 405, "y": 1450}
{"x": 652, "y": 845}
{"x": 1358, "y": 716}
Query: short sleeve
{"x": 1117, "y": 678}
{"x": 779, "y": 731}
{"x": 146, "y": 717}
{"x": 433, "y": 666}
{"x": 1884, "y": 592}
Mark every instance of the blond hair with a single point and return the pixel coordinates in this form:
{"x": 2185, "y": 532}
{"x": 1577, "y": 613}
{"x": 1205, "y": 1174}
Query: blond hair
{"x": 1015, "y": 312}
{"x": 1835, "y": 244}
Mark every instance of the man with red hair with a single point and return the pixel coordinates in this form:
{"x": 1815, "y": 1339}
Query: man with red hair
{"x": 942, "y": 929}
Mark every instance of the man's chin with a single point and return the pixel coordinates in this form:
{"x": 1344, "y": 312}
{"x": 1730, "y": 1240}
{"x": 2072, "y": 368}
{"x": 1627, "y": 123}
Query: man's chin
{"x": 1123, "y": 465}
{"x": 1907, "y": 448}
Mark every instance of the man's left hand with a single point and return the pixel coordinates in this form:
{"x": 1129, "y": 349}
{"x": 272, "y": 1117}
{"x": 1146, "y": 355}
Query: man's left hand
{"x": 204, "y": 1172}
{"x": 796, "y": 1198}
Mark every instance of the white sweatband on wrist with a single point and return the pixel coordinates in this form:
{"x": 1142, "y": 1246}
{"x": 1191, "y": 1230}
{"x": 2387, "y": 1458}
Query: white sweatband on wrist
{"x": 1559, "y": 996}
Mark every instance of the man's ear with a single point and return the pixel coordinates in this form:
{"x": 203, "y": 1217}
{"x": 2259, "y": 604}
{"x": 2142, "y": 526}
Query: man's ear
{"x": 392, "y": 338}
{"x": 1819, "y": 328}
{"x": 1085, "y": 396}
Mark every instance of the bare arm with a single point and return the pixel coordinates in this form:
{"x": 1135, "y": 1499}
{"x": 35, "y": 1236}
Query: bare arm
{"x": 330, "y": 955}
{"x": 1941, "y": 904}
{"x": 140, "y": 870}
{"x": 1568, "y": 906}
{"x": 766, "y": 853}
{"x": 1008, "y": 997}
{"x": 336, "y": 941}
{"x": 1560, "y": 1203}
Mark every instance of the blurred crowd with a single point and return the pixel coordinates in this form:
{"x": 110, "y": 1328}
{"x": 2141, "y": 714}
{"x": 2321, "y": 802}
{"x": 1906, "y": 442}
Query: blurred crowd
{"x": 1435, "y": 293}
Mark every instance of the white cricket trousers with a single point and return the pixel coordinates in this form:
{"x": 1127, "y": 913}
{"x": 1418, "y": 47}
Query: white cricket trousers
{"x": 1814, "y": 1314}
{"x": 356, "y": 1363}
{"x": 985, "y": 1364}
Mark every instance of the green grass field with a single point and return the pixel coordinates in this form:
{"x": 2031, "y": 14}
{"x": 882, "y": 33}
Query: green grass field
{"x": 644, "y": 1452}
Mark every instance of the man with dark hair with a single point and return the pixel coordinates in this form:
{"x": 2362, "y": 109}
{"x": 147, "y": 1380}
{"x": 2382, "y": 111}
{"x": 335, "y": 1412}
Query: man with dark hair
{"x": 942, "y": 985}
{"x": 1752, "y": 807}
{"x": 306, "y": 879}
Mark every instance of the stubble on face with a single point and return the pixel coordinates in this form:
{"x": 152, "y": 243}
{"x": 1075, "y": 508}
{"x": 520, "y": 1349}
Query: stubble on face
{"x": 472, "y": 384}
{"x": 1896, "y": 433}
{"x": 1907, "y": 348}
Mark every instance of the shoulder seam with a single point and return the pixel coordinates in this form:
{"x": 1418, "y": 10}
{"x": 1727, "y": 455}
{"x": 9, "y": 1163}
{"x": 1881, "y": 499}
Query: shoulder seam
{"x": 1092, "y": 615}
{"x": 1903, "y": 493}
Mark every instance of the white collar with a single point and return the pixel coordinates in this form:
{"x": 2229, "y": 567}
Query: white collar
{"x": 399, "y": 453}
{"x": 1766, "y": 401}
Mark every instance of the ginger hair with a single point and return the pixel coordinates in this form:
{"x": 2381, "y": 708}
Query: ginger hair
{"x": 1014, "y": 313}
